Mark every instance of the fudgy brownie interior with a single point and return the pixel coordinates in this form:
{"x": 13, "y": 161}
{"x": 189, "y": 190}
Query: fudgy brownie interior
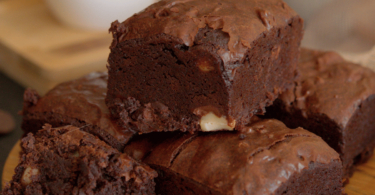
{"x": 67, "y": 160}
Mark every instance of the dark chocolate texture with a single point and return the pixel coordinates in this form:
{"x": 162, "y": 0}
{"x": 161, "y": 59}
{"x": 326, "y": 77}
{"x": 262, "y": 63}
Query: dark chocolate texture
{"x": 181, "y": 59}
{"x": 334, "y": 99}
{"x": 265, "y": 157}
{"x": 66, "y": 160}
{"x": 80, "y": 103}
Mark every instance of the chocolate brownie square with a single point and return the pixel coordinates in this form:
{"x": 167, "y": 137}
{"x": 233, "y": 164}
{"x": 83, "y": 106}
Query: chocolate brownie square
{"x": 80, "y": 103}
{"x": 334, "y": 99}
{"x": 265, "y": 157}
{"x": 201, "y": 65}
{"x": 66, "y": 160}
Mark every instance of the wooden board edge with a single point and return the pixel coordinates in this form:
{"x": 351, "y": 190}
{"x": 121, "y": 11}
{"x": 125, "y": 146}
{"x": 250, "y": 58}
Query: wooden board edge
{"x": 11, "y": 163}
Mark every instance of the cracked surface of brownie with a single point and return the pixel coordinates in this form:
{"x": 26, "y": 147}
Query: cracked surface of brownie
{"x": 265, "y": 157}
{"x": 334, "y": 99}
{"x": 78, "y": 102}
{"x": 201, "y": 65}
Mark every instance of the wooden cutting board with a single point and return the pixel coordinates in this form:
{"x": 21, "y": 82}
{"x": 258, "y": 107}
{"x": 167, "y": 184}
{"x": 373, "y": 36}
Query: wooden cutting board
{"x": 362, "y": 182}
{"x": 39, "y": 52}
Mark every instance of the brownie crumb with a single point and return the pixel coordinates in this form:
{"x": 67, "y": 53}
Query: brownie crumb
{"x": 66, "y": 160}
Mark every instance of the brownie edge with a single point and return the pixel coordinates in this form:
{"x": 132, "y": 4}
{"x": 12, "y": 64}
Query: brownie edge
{"x": 66, "y": 160}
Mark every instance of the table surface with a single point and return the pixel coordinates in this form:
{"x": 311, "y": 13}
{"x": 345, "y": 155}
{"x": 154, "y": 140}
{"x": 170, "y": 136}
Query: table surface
{"x": 11, "y": 96}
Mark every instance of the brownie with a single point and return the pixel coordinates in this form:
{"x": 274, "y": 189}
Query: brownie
{"x": 265, "y": 157}
{"x": 334, "y": 99}
{"x": 201, "y": 65}
{"x": 80, "y": 103}
{"x": 66, "y": 160}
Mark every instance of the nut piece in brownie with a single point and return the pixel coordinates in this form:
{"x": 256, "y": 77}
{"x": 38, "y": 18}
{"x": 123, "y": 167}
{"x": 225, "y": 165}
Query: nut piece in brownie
{"x": 80, "y": 103}
{"x": 201, "y": 65}
{"x": 265, "y": 157}
{"x": 334, "y": 99}
{"x": 66, "y": 160}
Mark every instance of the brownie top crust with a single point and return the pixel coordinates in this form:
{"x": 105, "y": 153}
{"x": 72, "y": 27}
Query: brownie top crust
{"x": 242, "y": 20}
{"x": 81, "y": 99}
{"x": 259, "y": 159}
{"x": 329, "y": 85}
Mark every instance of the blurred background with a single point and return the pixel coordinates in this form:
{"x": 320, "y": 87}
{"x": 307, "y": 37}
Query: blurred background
{"x": 43, "y": 43}
{"x": 345, "y": 26}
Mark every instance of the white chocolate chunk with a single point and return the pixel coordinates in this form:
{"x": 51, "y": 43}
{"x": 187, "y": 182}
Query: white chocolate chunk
{"x": 211, "y": 122}
{"x": 27, "y": 174}
{"x": 138, "y": 155}
{"x": 205, "y": 66}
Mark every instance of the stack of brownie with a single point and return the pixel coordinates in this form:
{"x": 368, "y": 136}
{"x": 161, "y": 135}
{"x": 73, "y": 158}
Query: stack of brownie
{"x": 182, "y": 110}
